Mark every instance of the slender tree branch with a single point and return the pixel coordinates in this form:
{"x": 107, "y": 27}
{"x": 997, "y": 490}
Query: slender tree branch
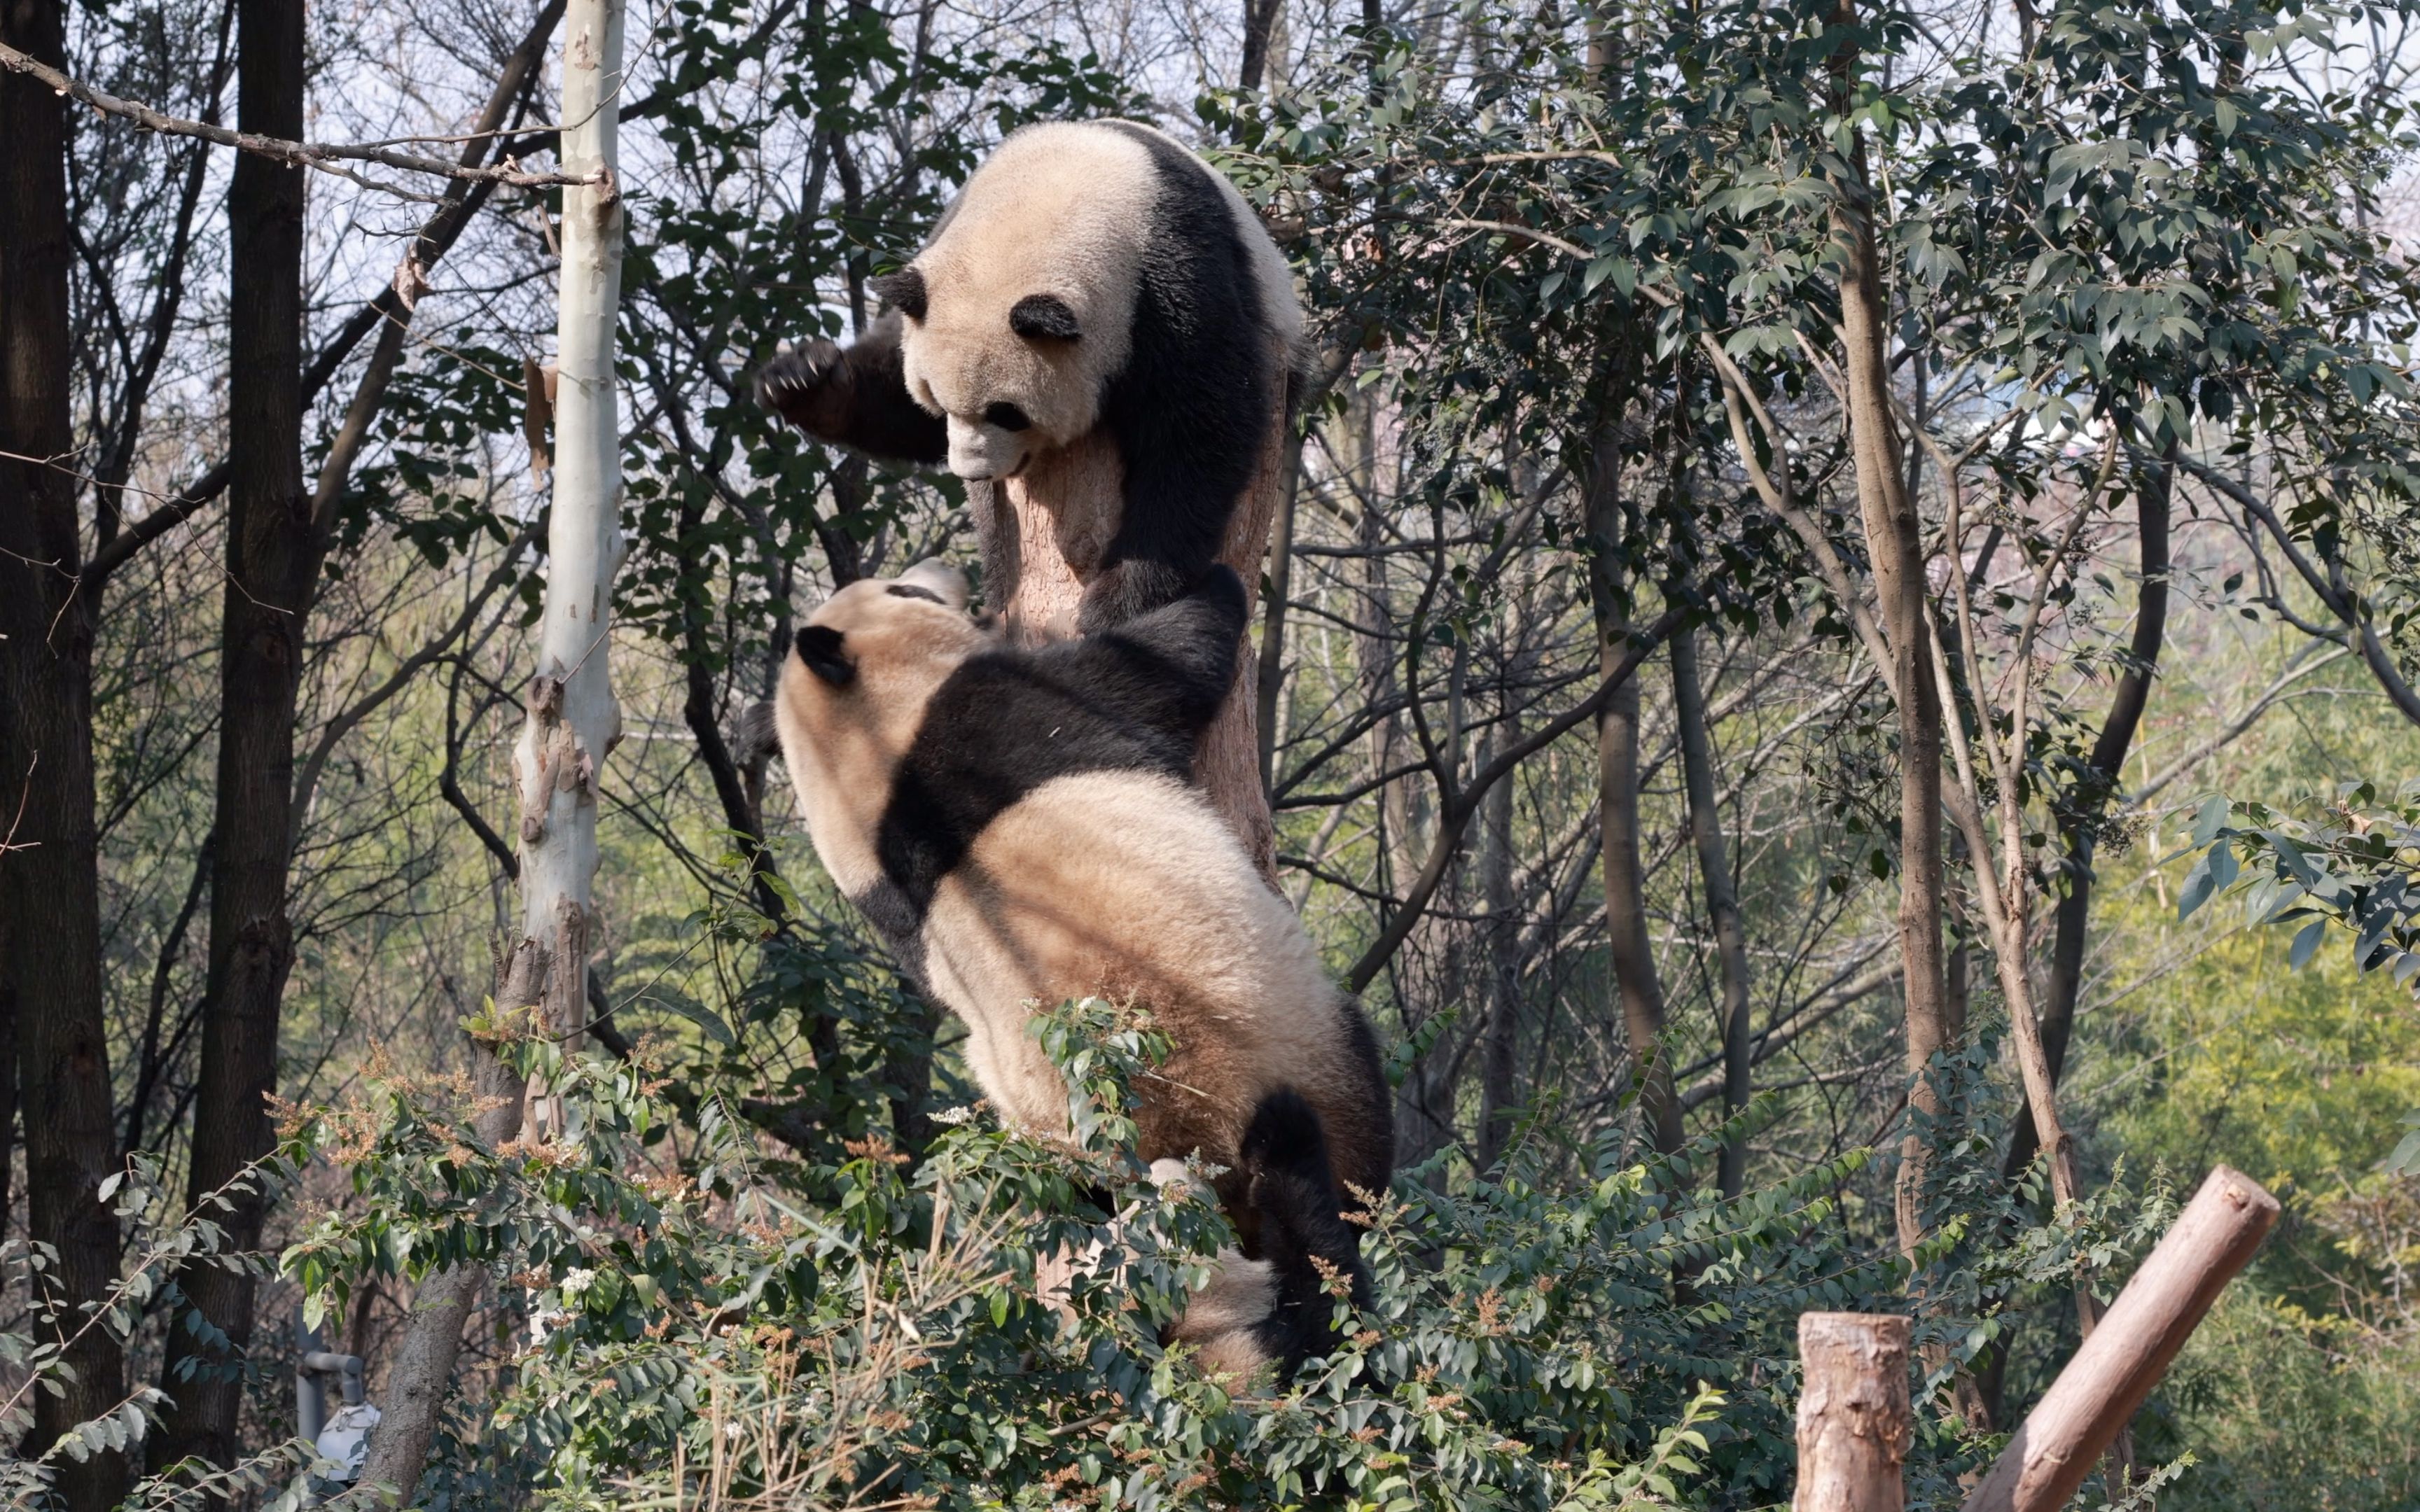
{"x": 306, "y": 782}
{"x": 301, "y": 154}
{"x": 1453, "y": 817}
{"x": 2345, "y": 606}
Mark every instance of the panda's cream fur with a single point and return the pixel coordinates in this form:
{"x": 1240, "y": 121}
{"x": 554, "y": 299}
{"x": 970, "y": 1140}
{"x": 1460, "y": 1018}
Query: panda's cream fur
{"x": 1017, "y": 823}
{"x": 1095, "y": 186}
{"x": 1092, "y": 277}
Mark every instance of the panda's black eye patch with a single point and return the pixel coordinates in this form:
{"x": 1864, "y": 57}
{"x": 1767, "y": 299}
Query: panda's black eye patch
{"x": 1007, "y": 417}
{"x": 1046, "y": 316}
{"x": 912, "y": 591}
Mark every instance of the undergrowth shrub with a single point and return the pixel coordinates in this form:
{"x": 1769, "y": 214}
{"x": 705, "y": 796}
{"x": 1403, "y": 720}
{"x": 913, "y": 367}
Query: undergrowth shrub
{"x": 703, "y": 1327}
{"x": 881, "y": 1332}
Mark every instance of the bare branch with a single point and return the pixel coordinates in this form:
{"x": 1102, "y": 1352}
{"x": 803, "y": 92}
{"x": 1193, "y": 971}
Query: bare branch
{"x": 321, "y": 155}
{"x": 1454, "y": 816}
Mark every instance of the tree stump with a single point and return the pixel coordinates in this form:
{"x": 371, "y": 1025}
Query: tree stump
{"x": 1855, "y": 1423}
{"x": 1042, "y": 532}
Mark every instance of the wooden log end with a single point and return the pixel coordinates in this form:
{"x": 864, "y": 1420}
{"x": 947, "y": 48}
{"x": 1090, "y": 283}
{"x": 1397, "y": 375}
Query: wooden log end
{"x": 1854, "y": 1420}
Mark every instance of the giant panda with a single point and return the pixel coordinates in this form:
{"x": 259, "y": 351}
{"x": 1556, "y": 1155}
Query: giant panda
{"x": 1016, "y": 823}
{"x": 1091, "y": 276}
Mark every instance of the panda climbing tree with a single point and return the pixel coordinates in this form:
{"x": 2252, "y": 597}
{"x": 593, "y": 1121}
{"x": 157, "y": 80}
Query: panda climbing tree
{"x": 1103, "y": 341}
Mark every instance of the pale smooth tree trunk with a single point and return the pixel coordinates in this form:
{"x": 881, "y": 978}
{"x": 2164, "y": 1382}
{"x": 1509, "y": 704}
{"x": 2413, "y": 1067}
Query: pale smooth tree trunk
{"x": 573, "y": 721}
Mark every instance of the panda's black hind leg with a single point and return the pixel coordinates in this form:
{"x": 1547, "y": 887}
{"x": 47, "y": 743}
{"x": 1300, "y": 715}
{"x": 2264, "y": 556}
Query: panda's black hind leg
{"x": 1302, "y": 1235}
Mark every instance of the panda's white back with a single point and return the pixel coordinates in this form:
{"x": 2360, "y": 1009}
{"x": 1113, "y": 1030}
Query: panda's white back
{"x": 1130, "y": 886}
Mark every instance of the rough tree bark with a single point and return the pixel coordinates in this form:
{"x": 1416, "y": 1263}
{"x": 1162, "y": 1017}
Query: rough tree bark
{"x": 1895, "y": 545}
{"x": 573, "y": 720}
{"x": 1855, "y": 1423}
{"x": 272, "y": 566}
{"x": 1722, "y": 897}
{"x": 50, "y": 913}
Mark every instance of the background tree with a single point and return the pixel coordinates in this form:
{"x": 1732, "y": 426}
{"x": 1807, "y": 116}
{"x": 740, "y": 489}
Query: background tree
{"x": 1712, "y": 404}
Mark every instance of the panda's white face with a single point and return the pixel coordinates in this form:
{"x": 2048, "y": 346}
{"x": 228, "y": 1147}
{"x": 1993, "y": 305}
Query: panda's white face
{"x": 852, "y": 694}
{"x": 1011, "y": 378}
{"x": 1020, "y": 310}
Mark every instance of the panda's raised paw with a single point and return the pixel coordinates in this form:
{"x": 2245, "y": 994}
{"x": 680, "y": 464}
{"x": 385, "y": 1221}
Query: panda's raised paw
{"x": 786, "y": 383}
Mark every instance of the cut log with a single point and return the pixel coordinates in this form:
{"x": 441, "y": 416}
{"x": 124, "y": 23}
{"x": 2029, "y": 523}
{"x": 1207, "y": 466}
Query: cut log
{"x": 1855, "y": 1424}
{"x": 2098, "y": 1392}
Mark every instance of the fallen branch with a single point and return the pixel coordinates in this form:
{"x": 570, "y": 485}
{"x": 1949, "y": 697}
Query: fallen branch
{"x": 324, "y": 155}
{"x": 2099, "y": 1391}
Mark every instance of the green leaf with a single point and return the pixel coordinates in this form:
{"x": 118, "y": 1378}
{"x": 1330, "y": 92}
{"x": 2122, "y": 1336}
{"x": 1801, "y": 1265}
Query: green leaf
{"x": 696, "y": 1012}
{"x": 2197, "y": 888}
{"x": 2405, "y": 1161}
{"x": 2306, "y": 943}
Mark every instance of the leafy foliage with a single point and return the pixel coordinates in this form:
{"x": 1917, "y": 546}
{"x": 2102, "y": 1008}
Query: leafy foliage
{"x": 2353, "y": 862}
{"x": 983, "y": 1330}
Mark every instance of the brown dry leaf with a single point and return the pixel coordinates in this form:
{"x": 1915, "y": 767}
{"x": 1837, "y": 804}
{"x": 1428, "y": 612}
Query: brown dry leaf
{"x": 538, "y": 413}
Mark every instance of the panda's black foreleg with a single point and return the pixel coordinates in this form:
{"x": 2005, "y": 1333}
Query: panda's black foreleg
{"x": 1309, "y": 1247}
{"x": 1183, "y": 482}
{"x": 1170, "y": 669}
{"x": 854, "y": 395}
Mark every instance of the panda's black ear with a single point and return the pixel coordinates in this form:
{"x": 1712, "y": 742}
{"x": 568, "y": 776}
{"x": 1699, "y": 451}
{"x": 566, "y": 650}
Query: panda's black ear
{"x": 820, "y": 648}
{"x": 904, "y": 291}
{"x": 1046, "y": 316}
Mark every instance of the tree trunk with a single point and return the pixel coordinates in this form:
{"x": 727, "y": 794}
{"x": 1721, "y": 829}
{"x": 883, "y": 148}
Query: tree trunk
{"x": 1635, "y": 984}
{"x": 1047, "y": 527}
{"x": 1895, "y": 545}
{"x": 420, "y": 1372}
{"x": 272, "y": 566}
{"x": 573, "y": 719}
{"x": 1722, "y": 897}
{"x": 1502, "y": 938}
{"x": 1260, "y": 20}
{"x": 1269, "y": 677}
{"x": 2080, "y": 823}
{"x": 50, "y": 911}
